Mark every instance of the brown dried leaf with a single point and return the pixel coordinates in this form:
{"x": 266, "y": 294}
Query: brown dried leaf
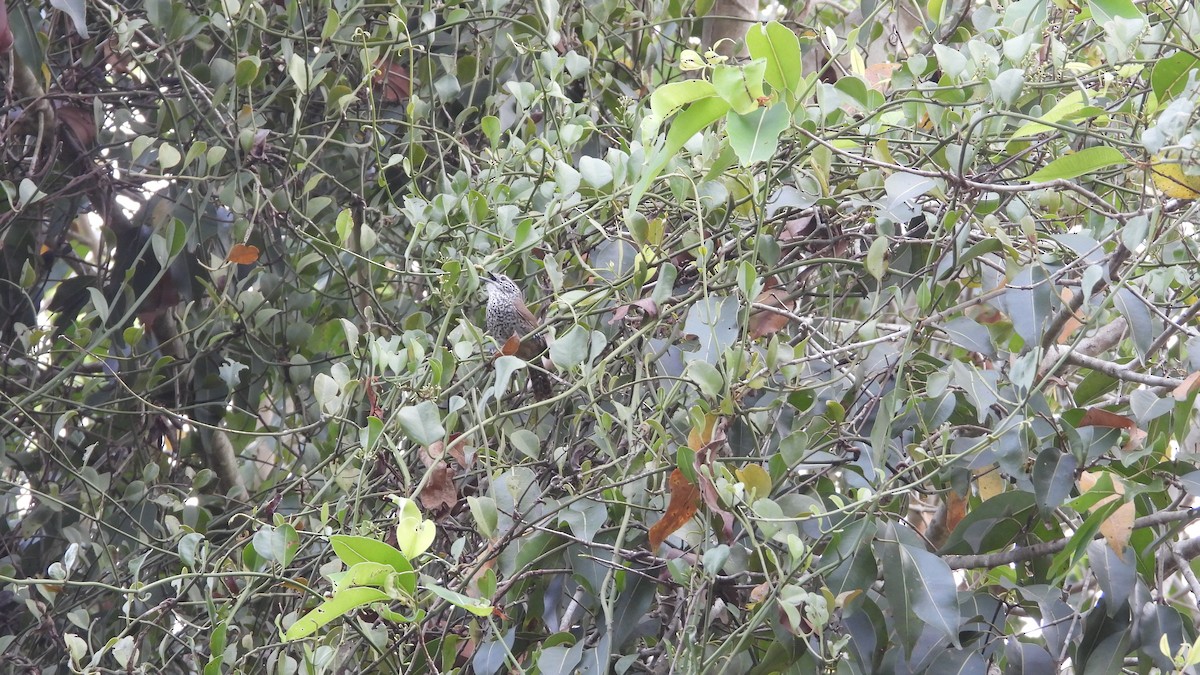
{"x": 648, "y": 306}
{"x": 438, "y": 451}
{"x": 698, "y": 438}
{"x": 956, "y": 509}
{"x": 764, "y": 322}
{"x": 1137, "y": 438}
{"x": 685, "y": 501}
{"x": 511, "y": 346}
{"x": 243, "y": 254}
{"x": 1098, "y": 417}
{"x": 1190, "y": 384}
{"x": 80, "y": 124}
{"x": 439, "y": 494}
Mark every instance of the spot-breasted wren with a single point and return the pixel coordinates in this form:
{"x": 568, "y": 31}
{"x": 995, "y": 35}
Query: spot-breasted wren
{"x": 507, "y": 316}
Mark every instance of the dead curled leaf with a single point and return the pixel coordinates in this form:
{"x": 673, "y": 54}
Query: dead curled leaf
{"x": 1098, "y": 417}
{"x": 685, "y": 501}
{"x": 439, "y": 493}
{"x": 647, "y": 305}
{"x": 764, "y": 322}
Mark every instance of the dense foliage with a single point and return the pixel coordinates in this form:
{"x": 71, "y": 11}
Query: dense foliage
{"x": 874, "y": 337}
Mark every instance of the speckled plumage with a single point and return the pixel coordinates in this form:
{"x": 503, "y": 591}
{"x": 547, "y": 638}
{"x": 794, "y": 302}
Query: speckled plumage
{"x": 507, "y": 316}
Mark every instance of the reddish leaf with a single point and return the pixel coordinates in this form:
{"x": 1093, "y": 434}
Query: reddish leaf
{"x": 798, "y": 228}
{"x": 1098, "y": 417}
{"x": 879, "y": 75}
{"x": 1073, "y": 322}
{"x": 685, "y": 501}
{"x": 394, "y": 80}
{"x": 511, "y": 346}
{"x": 989, "y": 315}
{"x": 243, "y": 254}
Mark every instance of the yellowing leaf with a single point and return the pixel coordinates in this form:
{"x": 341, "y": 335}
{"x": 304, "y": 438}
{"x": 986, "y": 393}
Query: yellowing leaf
{"x": 1118, "y": 527}
{"x": 990, "y": 482}
{"x": 1169, "y": 177}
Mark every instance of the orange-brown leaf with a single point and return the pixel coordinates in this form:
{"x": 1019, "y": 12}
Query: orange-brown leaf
{"x": 1098, "y": 417}
{"x": 511, "y": 346}
{"x": 243, "y": 254}
{"x": 956, "y": 509}
{"x": 1073, "y": 322}
{"x": 685, "y": 501}
{"x": 764, "y": 322}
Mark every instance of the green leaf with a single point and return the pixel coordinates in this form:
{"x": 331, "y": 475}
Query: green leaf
{"x": 414, "y": 536}
{"x": 920, "y": 588}
{"x": 779, "y": 48}
{"x": 476, "y": 606}
{"x": 1029, "y": 301}
{"x": 483, "y": 510}
{"x": 1069, "y": 104}
{"x": 422, "y": 423}
{"x": 364, "y": 574}
{"x": 1104, "y": 11}
{"x": 684, "y": 125}
{"x": 571, "y": 349}
{"x": 76, "y": 10}
{"x": 1142, "y": 325}
{"x": 339, "y": 604}
{"x": 278, "y": 544}
{"x": 300, "y": 72}
{"x": 247, "y": 71}
{"x": 970, "y": 335}
{"x": 877, "y": 257}
{"x": 1170, "y": 75}
{"x": 491, "y": 128}
{"x": 707, "y": 377}
{"x": 755, "y": 136}
{"x": 740, "y": 86}
{"x": 669, "y": 98}
{"x": 352, "y": 550}
{"x": 1078, "y": 164}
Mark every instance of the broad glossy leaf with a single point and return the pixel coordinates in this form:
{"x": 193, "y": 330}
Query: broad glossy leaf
{"x": 334, "y": 607}
{"x": 779, "y": 48}
{"x": 1053, "y": 478}
{"x": 920, "y": 588}
{"x": 1029, "y": 301}
{"x": 1079, "y": 163}
{"x": 422, "y": 423}
{"x": 754, "y": 136}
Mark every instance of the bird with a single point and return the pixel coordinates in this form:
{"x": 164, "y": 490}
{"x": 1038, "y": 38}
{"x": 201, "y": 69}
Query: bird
{"x": 508, "y": 317}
